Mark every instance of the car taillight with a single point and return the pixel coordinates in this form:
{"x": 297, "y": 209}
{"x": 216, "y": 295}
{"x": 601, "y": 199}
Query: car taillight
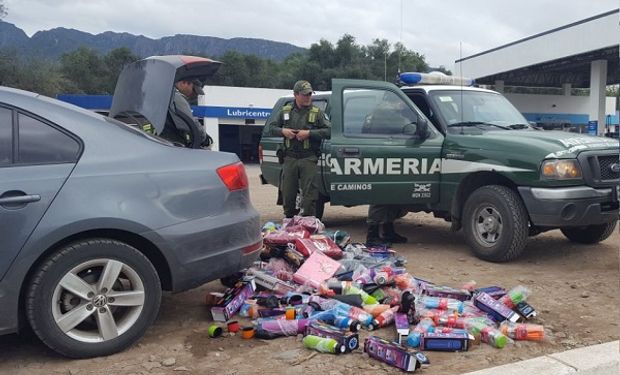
{"x": 253, "y": 248}
{"x": 260, "y": 154}
{"x": 233, "y": 176}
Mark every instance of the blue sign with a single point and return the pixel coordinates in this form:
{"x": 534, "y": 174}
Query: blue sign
{"x": 232, "y": 112}
{"x": 92, "y": 102}
{"x": 592, "y": 127}
{"x": 104, "y": 102}
{"x": 557, "y": 118}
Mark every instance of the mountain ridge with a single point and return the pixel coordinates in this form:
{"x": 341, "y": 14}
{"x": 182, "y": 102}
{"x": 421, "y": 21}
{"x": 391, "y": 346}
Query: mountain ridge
{"x": 57, "y": 41}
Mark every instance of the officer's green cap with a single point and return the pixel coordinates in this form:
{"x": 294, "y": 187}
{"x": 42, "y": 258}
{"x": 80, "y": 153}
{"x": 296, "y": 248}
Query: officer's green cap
{"x": 302, "y": 87}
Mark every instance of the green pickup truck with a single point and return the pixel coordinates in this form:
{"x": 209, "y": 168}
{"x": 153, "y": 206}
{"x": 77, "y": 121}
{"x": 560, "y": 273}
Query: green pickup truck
{"x": 466, "y": 155}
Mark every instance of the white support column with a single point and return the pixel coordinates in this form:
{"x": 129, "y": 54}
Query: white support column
{"x": 212, "y": 126}
{"x": 499, "y": 86}
{"x": 567, "y": 87}
{"x": 598, "y": 82}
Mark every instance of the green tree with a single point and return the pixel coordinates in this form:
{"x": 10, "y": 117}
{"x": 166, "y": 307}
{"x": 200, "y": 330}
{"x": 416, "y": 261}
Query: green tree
{"x": 114, "y": 63}
{"x": 44, "y": 77}
{"x": 377, "y": 56}
{"x": 348, "y": 52}
{"x": 322, "y": 53}
{"x": 233, "y": 71}
{"x": 86, "y": 69}
{"x": 9, "y": 65}
{"x": 409, "y": 61}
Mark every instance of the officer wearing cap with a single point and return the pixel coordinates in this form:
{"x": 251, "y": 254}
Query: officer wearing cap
{"x": 181, "y": 127}
{"x": 303, "y": 127}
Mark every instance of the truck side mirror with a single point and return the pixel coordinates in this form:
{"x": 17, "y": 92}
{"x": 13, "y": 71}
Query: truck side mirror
{"x": 422, "y": 128}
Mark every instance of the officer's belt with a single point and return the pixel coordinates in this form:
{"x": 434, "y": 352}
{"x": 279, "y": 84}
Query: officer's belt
{"x": 299, "y": 154}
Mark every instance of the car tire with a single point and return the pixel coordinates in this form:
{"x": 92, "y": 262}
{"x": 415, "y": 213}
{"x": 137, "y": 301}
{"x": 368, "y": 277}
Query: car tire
{"x": 495, "y": 223}
{"x": 93, "y": 298}
{"x": 590, "y": 234}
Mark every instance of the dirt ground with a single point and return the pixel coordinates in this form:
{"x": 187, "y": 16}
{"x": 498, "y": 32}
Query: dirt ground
{"x": 575, "y": 290}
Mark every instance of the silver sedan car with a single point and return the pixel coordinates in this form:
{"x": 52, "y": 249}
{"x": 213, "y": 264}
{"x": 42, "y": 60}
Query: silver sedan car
{"x": 97, "y": 218}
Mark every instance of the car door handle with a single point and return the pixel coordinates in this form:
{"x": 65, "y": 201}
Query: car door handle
{"x": 20, "y": 199}
{"x": 349, "y": 151}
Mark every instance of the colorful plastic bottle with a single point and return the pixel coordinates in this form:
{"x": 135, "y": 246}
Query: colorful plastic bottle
{"x": 386, "y": 318}
{"x": 377, "y": 309}
{"x": 332, "y": 288}
{"x": 350, "y": 288}
{"x": 341, "y": 308}
{"x": 436, "y": 315}
{"x": 383, "y": 275}
{"x": 415, "y": 337}
{"x": 337, "y": 319}
{"x": 321, "y": 344}
{"x": 523, "y": 331}
{"x": 464, "y": 322}
{"x": 405, "y": 282}
{"x": 280, "y": 327}
{"x": 488, "y": 334}
{"x": 441, "y": 303}
{"x": 515, "y": 295}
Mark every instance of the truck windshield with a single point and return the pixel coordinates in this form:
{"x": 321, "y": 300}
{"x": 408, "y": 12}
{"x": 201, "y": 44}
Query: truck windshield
{"x": 477, "y": 108}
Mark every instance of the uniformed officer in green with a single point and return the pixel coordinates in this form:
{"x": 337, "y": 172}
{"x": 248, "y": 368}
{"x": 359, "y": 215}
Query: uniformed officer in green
{"x": 303, "y": 127}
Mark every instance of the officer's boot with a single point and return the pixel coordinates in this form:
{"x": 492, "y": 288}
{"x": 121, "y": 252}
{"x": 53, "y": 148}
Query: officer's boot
{"x": 372, "y": 236}
{"x": 390, "y": 235}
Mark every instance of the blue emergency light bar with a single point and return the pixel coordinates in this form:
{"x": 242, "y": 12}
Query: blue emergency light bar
{"x": 434, "y": 78}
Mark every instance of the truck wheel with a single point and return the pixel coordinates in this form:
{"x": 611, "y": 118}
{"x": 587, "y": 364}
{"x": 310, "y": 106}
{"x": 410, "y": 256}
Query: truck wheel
{"x": 93, "y": 298}
{"x": 589, "y": 234}
{"x": 495, "y": 223}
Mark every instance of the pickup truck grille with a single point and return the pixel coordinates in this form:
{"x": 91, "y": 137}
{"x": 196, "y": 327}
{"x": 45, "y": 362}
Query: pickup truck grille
{"x": 600, "y": 168}
{"x": 605, "y": 163}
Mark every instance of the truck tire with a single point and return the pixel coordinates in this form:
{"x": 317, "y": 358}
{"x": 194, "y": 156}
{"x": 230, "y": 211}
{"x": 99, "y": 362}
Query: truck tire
{"x": 93, "y": 298}
{"x": 495, "y": 223}
{"x": 590, "y": 234}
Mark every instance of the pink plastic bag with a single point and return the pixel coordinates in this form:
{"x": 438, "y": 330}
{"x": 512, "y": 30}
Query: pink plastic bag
{"x": 280, "y": 237}
{"x": 319, "y": 243}
{"x": 310, "y": 223}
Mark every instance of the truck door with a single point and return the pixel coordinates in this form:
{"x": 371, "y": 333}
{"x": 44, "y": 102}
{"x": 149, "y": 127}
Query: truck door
{"x": 376, "y": 153}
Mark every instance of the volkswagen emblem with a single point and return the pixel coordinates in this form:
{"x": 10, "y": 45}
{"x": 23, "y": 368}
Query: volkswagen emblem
{"x": 615, "y": 168}
{"x": 100, "y": 301}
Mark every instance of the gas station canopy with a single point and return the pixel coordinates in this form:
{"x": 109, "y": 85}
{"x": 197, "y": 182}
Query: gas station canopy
{"x": 552, "y": 58}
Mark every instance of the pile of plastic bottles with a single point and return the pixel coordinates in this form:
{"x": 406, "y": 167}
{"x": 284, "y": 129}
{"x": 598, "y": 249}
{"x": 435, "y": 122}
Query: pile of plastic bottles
{"x": 319, "y": 284}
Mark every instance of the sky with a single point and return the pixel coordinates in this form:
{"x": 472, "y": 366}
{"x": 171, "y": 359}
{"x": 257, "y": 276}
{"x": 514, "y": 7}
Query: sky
{"x": 441, "y": 30}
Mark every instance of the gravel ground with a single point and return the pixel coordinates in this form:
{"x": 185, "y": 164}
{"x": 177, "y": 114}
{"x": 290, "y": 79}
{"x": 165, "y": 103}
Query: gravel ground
{"x": 575, "y": 290}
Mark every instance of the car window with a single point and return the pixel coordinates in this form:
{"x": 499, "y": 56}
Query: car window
{"x": 42, "y": 143}
{"x": 376, "y": 112}
{"x": 6, "y": 135}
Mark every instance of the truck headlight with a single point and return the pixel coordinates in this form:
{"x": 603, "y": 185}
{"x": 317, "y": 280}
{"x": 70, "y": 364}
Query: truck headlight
{"x": 563, "y": 169}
